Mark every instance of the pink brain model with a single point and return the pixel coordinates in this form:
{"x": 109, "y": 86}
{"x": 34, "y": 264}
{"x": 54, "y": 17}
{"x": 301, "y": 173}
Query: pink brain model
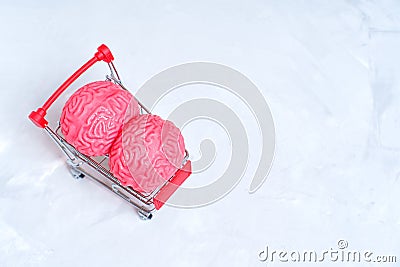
{"x": 148, "y": 152}
{"x": 94, "y": 115}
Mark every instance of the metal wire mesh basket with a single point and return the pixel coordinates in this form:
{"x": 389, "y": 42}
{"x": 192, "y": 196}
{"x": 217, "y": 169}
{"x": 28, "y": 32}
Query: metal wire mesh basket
{"x": 97, "y": 168}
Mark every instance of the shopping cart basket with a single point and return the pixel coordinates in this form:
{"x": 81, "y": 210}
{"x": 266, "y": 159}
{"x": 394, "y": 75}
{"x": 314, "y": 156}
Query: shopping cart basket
{"x": 97, "y": 168}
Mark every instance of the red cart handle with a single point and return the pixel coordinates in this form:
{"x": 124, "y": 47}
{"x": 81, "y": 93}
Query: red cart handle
{"x": 102, "y": 54}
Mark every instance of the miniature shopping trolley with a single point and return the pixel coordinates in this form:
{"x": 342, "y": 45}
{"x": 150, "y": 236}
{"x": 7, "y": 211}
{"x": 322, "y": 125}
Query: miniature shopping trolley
{"x": 97, "y": 168}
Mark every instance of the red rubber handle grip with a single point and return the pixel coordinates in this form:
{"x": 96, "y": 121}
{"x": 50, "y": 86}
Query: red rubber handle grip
{"x": 37, "y": 117}
{"x": 170, "y": 187}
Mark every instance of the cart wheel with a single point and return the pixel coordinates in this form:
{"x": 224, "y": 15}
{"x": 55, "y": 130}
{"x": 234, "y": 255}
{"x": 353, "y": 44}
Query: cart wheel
{"x": 145, "y": 216}
{"x": 77, "y": 174}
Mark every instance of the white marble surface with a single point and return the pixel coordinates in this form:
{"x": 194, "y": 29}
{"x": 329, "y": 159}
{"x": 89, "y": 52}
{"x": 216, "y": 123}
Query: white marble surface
{"x": 329, "y": 70}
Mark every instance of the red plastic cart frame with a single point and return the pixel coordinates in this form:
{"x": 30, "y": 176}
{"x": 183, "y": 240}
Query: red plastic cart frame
{"x": 102, "y": 54}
